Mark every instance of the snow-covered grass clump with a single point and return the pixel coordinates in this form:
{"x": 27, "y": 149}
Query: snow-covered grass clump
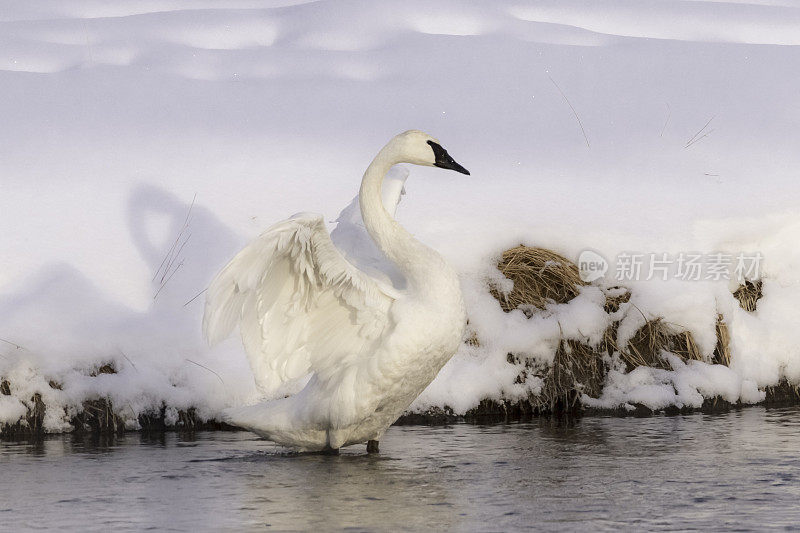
{"x": 145, "y": 142}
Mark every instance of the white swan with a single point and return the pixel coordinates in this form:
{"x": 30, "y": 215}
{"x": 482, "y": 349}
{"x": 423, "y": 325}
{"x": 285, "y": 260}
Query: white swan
{"x": 354, "y": 349}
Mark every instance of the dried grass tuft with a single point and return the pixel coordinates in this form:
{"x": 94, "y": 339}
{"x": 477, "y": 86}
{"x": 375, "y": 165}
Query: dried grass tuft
{"x": 654, "y": 337}
{"x": 615, "y": 297}
{"x": 107, "y": 368}
{"x": 33, "y": 420}
{"x": 472, "y": 339}
{"x": 577, "y": 369}
{"x": 98, "y": 416}
{"x": 784, "y": 393}
{"x": 722, "y": 351}
{"x": 540, "y": 277}
{"x": 471, "y": 336}
{"x": 748, "y": 294}
{"x": 35, "y": 416}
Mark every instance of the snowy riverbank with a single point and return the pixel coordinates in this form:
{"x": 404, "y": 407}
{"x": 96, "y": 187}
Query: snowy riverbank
{"x": 144, "y": 143}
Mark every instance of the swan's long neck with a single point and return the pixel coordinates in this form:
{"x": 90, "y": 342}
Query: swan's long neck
{"x": 416, "y": 261}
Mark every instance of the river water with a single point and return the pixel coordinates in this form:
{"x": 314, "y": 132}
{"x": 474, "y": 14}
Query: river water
{"x": 738, "y": 470}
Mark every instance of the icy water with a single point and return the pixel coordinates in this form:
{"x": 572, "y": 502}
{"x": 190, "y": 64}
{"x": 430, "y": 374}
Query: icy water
{"x": 738, "y": 470}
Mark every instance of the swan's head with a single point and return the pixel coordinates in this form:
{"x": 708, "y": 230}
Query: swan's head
{"x": 419, "y": 148}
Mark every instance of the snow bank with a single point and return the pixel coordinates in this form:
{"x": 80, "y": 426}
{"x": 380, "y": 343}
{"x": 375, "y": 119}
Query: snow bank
{"x": 145, "y": 142}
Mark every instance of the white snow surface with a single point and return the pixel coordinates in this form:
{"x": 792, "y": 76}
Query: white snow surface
{"x": 145, "y": 141}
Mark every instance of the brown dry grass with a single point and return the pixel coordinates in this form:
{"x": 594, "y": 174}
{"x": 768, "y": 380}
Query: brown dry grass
{"x": 654, "y": 337}
{"x": 472, "y": 339}
{"x": 615, "y": 297}
{"x": 748, "y": 294}
{"x": 107, "y": 368}
{"x": 98, "y": 416}
{"x": 722, "y": 351}
{"x": 577, "y": 368}
{"x": 540, "y": 277}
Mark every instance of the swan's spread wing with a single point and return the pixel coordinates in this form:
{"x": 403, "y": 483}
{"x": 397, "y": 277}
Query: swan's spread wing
{"x": 300, "y": 305}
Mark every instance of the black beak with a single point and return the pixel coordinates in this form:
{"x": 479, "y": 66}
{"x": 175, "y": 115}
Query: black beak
{"x": 443, "y": 159}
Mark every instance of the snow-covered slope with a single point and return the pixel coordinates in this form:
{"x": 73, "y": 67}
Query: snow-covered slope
{"x": 144, "y": 142}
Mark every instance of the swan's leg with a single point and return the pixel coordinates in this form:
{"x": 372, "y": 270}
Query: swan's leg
{"x": 329, "y": 451}
{"x": 372, "y": 446}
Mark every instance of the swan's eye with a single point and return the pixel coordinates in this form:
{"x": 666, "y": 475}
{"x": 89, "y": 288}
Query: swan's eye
{"x": 438, "y": 151}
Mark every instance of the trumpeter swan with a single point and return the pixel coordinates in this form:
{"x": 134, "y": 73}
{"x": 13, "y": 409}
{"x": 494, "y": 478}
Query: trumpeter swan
{"x": 354, "y": 348}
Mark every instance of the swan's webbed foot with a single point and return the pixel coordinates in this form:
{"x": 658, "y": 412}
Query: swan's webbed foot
{"x": 329, "y": 451}
{"x": 372, "y": 446}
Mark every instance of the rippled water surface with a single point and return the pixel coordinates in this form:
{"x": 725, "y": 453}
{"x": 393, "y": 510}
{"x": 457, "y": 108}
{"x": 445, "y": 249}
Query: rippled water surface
{"x": 739, "y": 470}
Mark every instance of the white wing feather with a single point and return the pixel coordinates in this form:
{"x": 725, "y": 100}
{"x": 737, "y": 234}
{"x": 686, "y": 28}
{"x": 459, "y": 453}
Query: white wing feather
{"x": 300, "y": 305}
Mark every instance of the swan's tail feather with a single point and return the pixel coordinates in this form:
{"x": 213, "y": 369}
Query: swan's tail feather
{"x": 270, "y": 420}
{"x": 255, "y": 418}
